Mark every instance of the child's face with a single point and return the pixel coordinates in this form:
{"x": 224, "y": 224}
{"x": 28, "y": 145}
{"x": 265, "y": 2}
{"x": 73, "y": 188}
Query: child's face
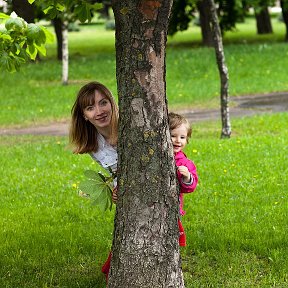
{"x": 179, "y": 138}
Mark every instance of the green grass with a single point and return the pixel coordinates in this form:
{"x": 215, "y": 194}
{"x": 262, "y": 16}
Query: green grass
{"x": 35, "y": 95}
{"x": 236, "y": 221}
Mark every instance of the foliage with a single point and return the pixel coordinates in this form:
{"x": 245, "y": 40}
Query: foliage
{"x": 181, "y": 15}
{"x": 98, "y": 188}
{"x": 230, "y": 12}
{"x": 258, "y": 5}
{"x": 20, "y": 41}
{"x": 81, "y": 10}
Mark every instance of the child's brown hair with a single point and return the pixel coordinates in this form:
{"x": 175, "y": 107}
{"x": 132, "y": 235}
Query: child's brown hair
{"x": 175, "y": 120}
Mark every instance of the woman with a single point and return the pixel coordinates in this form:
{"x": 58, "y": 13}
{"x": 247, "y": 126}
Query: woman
{"x": 94, "y": 127}
{"x": 94, "y": 130}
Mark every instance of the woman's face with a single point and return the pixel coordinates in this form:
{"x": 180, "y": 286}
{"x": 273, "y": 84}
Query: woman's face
{"x": 100, "y": 113}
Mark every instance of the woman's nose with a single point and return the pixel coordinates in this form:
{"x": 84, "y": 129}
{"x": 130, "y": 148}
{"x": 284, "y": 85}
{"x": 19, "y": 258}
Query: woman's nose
{"x": 97, "y": 110}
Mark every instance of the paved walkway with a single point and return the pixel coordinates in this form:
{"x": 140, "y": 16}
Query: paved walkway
{"x": 245, "y": 106}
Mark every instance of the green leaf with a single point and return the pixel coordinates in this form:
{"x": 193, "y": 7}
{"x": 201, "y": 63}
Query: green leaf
{"x": 60, "y": 7}
{"x": 46, "y": 10}
{"x": 4, "y": 16}
{"x": 98, "y": 187}
{"x": 41, "y": 49}
{"x": 31, "y": 51}
{"x": 97, "y": 6}
{"x": 31, "y": 1}
{"x": 91, "y": 174}
{"x": 15, "y": 24}
{"x": 104, "y": 201}
{"x": 49, "y": 36}
{"x": 33, "y": 31}
{"x": 91, "y": 187}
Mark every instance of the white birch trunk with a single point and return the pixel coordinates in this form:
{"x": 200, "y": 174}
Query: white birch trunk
{"x": 223, "y": 71}
{"x": 65, "y": 54}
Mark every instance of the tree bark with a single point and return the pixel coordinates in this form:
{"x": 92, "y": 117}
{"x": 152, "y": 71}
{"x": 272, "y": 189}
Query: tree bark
{"x": 206, "y": 30}
{"x": 263, "y": 21}
{"x": 284, "y": 6}
{"x": 223, "y": 71}
{"x": 145, "y": 249}
{"x": 57, "y": 23}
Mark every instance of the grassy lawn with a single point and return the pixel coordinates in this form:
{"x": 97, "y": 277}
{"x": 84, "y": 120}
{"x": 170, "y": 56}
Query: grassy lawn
{"x": 236, "y": 221}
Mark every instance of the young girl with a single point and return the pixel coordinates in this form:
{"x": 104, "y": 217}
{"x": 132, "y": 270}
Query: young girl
{"x": 181, "y": 131}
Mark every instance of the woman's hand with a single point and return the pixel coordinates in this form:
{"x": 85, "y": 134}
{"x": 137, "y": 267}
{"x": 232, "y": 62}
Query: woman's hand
{"x": 114, "y": 195}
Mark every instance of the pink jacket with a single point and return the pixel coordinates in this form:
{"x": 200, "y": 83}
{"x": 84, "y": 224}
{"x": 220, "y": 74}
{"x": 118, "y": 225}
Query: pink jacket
{"x": 182, "y": 160}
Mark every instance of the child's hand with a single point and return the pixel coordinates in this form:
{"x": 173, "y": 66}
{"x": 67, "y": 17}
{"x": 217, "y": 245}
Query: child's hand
{"x": 114, "y": 195}
{"x": 186, "y": 176}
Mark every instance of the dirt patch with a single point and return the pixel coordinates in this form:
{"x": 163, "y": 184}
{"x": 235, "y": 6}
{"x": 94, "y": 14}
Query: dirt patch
{"x": 242, "y": 106}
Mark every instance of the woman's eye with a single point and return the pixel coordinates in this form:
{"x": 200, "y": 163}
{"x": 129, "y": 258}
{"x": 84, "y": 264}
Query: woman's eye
{"x": 103, "y": 102}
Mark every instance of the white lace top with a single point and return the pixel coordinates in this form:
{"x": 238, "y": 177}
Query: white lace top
{"x": 106, "y": 156}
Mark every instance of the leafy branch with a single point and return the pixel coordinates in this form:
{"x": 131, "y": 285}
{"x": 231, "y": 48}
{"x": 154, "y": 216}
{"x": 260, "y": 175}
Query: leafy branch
{"x": 98, "y": 188}
{"x": 20, "y": 41}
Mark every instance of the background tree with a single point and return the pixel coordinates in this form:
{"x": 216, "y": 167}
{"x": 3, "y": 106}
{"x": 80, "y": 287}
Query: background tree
{"x": 181, "y": 15}
{"x": 223, "y": 71}
{"x": 23, "y": 9}
{"x": 205, "y": 23}
{"x": 145, "y": 245}
{"x": 263, "y": 21}
{"x": 284, "y": 6}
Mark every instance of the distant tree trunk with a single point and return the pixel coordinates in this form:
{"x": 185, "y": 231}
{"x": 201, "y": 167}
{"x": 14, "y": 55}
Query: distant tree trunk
{"x": 57, "y": 23}
{"x": 65, "y": 53}
{"x": 223, "y": 71}
{"x": 206, "y": 30}
{"x": 145, "y": 251}
{"x": 263, "y": 21}
{"x": 284, "y": 6}
{"x": 25, "y": 10}
{"x": 105, "y": 10}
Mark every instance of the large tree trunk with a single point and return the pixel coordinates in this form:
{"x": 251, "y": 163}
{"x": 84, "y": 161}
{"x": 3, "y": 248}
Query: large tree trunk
{"x": 284, "y": 6}
{"x": 57, "y": 23}
{"x": 207, "y": 35}
{"x": 223, "y": 71}
{"x": 263, "y": 21}
{"x": 145, "y": 249}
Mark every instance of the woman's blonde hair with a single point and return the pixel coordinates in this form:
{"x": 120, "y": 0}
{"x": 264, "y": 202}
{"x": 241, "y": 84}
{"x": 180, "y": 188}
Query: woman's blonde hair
{"x": 175, "y": 120}
{"x": 82, "y": 134}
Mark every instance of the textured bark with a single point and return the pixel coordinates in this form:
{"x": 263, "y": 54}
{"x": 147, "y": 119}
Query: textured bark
{"x": 57, "y": 23}
{"x": 284, "y": 6}
{"x": 65, "y": 53}
{"x": 206, "y": 30}
{"x": 223, "y": 71}
{"x": 263, "y": 21}
{"x": 145, "y": 249}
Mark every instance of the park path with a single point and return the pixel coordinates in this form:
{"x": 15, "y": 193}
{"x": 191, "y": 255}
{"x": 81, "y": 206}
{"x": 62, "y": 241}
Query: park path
{"x": 243, "y": 106}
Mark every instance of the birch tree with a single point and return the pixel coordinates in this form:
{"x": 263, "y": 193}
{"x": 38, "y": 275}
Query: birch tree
{"x": 223, "y": 71}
